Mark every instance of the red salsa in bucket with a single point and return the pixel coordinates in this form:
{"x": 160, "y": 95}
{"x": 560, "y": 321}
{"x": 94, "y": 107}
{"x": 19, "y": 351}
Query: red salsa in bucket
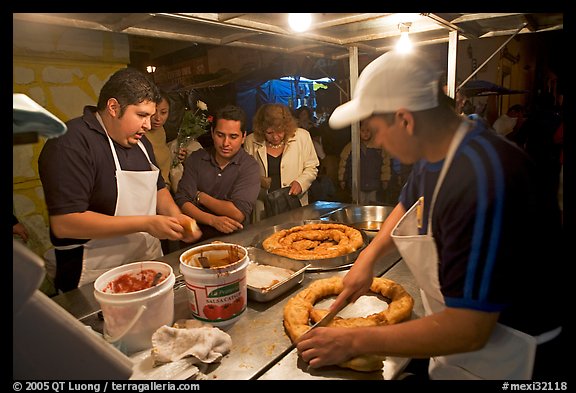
{"x": 132, "y": 282}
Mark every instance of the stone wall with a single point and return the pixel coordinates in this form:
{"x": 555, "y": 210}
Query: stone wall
{"x": 62, "y": 69}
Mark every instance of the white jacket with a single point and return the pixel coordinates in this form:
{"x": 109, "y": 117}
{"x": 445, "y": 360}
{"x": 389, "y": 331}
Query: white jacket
{"x": 299, "y": 160}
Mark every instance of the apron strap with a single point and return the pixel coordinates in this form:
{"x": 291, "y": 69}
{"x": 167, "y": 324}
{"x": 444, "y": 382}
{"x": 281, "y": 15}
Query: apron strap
{"x": 548, "y": 336}
{"x": 456, "y": 140}
{"x": 114, "y": 154}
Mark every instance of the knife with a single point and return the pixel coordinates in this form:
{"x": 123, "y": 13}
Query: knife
{"x": 326, "y": 319}
{"x": 321, "y": 323}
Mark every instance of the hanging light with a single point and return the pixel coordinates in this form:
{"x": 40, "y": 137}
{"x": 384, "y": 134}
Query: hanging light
{"x": 299, "y": 22}
{"x": 404, "y": 45}
{"x": 151, "y": 69}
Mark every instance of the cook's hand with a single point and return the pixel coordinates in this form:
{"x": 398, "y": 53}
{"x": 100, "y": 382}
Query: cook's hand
{"x": 356, "y": 283}
{"x": 225, "y": 224}
{"x": 295, "y": 188}
{"x": 165, "y": 227}
{"x": 191, "y": 231}
{"x": 326, "y": 346}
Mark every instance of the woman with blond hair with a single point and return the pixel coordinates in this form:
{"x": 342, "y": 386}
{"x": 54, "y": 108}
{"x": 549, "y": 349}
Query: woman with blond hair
{"x": 285, "y": 153}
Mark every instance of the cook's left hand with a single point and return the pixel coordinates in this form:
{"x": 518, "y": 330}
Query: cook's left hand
{"x": 295, "y": 188}
{"x": 326, "y": 346}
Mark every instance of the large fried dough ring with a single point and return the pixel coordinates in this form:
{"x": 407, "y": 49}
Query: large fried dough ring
{"x": 314, "y": 241}
{"x": 300, "y": 309}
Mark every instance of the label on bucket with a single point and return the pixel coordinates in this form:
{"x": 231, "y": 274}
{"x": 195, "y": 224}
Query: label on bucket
{"x": 217, "y": 303}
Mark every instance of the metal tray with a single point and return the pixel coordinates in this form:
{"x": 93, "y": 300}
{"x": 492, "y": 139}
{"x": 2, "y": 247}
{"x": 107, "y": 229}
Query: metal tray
{"x": 340, "y": 262}
{"x": 262, "y": 257}
{"x": 366, "y": 218}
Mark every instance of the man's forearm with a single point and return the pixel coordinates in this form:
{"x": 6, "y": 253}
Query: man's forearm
{"x": 220, "y": 207}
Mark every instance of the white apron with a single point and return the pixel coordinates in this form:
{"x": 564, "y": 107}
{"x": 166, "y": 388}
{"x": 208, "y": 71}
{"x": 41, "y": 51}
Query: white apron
{"x": 137, "y": 193}
{"x": 509, "y": 353}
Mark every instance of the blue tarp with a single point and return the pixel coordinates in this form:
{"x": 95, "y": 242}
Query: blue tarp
{"x": 250, "y": 97}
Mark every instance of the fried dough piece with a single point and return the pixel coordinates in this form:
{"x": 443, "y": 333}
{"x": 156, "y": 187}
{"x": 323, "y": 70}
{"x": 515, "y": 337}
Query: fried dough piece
{"x": 314, "y": 241}
{"x": 299, "y": 310}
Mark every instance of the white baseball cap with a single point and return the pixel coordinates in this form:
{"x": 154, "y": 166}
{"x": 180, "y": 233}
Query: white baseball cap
{"x": 392, "y": 81}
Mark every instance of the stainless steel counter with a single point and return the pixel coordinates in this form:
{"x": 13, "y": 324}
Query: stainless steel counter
{"x": 259, "y": 336}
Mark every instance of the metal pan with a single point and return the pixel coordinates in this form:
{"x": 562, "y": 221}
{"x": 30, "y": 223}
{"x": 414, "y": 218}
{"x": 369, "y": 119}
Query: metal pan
{"x": 368, "y": 219}
{"x": 315, "y": 264}
{"x": 262, "y": 257}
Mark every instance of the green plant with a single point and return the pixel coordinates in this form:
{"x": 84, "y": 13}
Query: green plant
{"x": 195, "y": 122}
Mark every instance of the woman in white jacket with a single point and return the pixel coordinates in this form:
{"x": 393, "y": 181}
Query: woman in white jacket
{"x": 285, "y": 153}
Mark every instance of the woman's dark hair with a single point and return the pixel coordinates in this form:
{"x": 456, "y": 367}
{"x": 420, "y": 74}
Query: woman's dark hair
{"x": 129, "y": 87}
{"x": 231, "y": 112}
{"x": 164, "y": 96}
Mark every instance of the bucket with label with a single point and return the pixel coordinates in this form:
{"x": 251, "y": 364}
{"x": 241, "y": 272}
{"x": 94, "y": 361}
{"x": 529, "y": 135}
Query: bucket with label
{"x": 215, "y": 276}
{"x": 136, "y": 299}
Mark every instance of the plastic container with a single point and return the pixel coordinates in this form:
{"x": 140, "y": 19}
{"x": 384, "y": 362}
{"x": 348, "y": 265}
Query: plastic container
{"x": 131, "y": 318}
{"x": 218, "y": 294}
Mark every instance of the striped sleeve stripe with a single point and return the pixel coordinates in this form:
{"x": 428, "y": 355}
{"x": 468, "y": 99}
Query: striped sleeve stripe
{"x": 497, "y": 219}
{"x": 480, "y": 220}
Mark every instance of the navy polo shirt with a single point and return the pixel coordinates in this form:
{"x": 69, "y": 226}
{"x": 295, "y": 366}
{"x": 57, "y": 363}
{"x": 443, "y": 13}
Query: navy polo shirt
{"x": 496, "y": 232}
{"x": 77, "y": 169}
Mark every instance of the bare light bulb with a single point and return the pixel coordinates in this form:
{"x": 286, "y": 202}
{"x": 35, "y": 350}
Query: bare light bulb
{"x": 404, "y": 45}
{"x": 299, "y": 22}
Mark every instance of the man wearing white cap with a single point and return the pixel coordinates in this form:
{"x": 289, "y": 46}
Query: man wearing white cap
{"x": 468, "y": 225}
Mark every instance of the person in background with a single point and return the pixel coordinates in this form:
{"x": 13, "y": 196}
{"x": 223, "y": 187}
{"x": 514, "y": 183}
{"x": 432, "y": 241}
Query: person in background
{"x": 107, "y": 203}
{"x": 285, "y": 154}
{"x": 375, "y": 169}
{"x": 462, "y": 228}
{"x": 399, "y": 175}
{"x": 220, "y": 185}
{"x": 317, "y": 141}
{"x": 305, "y": 118}
{"x": 178, "y": 155}
{"x": 536, "y": 137}
{"x": 322, "y": 188}
{"x": 509, "y": 121}
{"x": 157, "y": 137}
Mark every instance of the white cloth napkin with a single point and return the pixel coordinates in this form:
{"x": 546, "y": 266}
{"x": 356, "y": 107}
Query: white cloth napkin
{"x": 191, "y": 338}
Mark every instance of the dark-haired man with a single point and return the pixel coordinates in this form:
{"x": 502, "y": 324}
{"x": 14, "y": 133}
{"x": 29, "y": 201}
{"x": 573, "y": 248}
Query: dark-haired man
{"x": 462, "y": 227}
{"x": 107, "y": 202}
{"x": 220, "y": 184}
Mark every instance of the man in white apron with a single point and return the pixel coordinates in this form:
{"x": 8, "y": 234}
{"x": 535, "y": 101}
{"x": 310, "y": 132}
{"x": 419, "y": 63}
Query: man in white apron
{"x": 108, "y": 204}
{"x": 464, "y": 229}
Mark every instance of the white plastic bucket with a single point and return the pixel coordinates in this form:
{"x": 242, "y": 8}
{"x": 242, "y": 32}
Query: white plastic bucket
{"x": 131, "y": 318}
{"x": 216, "y": 295}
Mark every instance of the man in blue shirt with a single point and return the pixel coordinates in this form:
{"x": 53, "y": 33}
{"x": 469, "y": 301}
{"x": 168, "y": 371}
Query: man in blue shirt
{"x": 472, "y": 225}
